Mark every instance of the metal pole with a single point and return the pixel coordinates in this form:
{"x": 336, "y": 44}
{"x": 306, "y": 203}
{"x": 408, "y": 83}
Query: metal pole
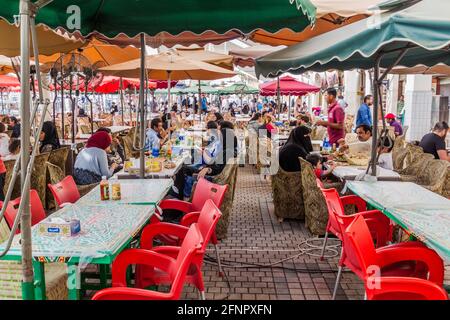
{"x": 373, "y": 160}
{"x": 199, "y": 100}
{"x": 54, "y": 105}
{"x": 72, "y": 101}
{"x": 289, "y": 108}
{"x": 91, "y": 107}
{"x": 278, "y": 98}
{"x": 25, "y": 222}
{"x": 141, "y": 107}
{"x": 36, "y": 61}
{"x": 63, "y": 129}
{"x": 132, "y": 99}
{"x": 121, "y": 100}
{"x": 169, "y": 97}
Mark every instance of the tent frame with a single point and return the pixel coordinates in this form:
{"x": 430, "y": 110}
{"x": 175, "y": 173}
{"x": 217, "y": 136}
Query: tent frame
{"x": 377, "y": 102}
{"x": 27, "y": 12}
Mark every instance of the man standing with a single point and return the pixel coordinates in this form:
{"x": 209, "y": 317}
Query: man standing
{"x": 204, "y": 104}
{"x": 434, "y": 142}
{"x": 390, "y": 118}
{"x": 364, "y": 116}
{"x": 336, "y": 117}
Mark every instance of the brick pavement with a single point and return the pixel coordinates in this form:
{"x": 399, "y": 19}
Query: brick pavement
{"x": 254, "y": 225}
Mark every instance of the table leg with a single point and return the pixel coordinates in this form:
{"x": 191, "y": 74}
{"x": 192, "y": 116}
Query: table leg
{"x": 104, "y": 268}
{"x": 39, "y": 280}
{"x": 73, "y": 281}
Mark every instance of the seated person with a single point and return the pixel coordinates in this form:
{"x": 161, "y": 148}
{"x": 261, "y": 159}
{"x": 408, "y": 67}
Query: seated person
{"x": 153, "y": 138}
{"x": 211, "y": 116}
{"x": 170, "y": 121}
{"x": 319, "y": 169}
{"x": 298, "y": 145}
{"x": 302, "y": 120}
{"x": 434, "y": 142}
{"x": 15, "y": 127}
{"x": 219, "y": 117}
{"x": 115, "y": 152}
{"x": 226, "y": 148}
{"x": 13, "y": 150}
{"x": 385, "y": 150}
{"x": 4, "y": 140}
{"x": 268, "y": 126}
{"x": 49, "y": 137}
{"x": 212, "y": 149}
{"x": 364, "y": 145}
{"x": 92, "y": 162}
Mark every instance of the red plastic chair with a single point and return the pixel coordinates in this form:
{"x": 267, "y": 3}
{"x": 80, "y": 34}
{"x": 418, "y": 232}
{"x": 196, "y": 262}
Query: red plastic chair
{"x": 380, "y": 225}
{"x": 193, "y": 217}
{"x": 396, "y": 288}
{"x": 204, "y": 190}
{"x": 176, "y": 269}
{"x": 407, "y": 259}
{"x": 65, "y": 191}
{"x": 320, "y": 184}
{"x": 37, "y": 210}
{"x": 206, "y": 221}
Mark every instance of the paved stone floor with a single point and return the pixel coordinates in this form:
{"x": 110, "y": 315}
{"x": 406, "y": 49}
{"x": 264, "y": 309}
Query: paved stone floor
{"x": 254, "y": 226}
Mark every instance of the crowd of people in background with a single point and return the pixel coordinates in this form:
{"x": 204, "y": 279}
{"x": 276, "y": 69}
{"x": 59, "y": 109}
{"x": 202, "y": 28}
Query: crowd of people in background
{"x": 103, "y": 154}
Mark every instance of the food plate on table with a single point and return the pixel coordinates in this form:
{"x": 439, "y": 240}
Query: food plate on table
{"x": 169, "y": 164}
{"x": 357, "y": 159}
{"x": 339, "y": 156}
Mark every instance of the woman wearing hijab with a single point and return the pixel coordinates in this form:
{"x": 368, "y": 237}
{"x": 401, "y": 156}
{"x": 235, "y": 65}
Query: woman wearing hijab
{"x": 92, "y": 162}
{"x": 115, "y": 152}
{"x": 298, "y": 145}
{"x": 49, "y": 137}
{"x": 226, "y": 148}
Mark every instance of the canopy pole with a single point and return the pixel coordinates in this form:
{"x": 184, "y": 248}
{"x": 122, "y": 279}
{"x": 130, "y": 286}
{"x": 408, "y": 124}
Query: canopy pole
{"x": 121, "y": 100}
{"x": 199, "y": 100}
{"x": 289, "y": 109}
{"x": 132, "y": 99}
{"x": 54, "y": 103}
{"x": 25, "y": 222}
{"x": 141, "y": 107}
{"x": 63, "y": 129}
{"x": 169, "y": 96}
{"x": 373, "y": 160}
{"x": 278, "y": 98}
{"x": 90, "y": 105}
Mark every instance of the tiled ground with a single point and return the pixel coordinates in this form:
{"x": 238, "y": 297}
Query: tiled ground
{"x": 254, "y": 226}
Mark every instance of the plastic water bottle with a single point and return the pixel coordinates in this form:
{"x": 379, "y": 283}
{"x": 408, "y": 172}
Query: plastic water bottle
{"x": 181, "y": 135}
{"x": 325, "y": 143}
{"x": 155, "y": 149}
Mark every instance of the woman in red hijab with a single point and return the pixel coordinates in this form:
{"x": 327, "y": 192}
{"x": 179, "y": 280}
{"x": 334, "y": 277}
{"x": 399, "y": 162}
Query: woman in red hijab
{"x": 92, "y": 162}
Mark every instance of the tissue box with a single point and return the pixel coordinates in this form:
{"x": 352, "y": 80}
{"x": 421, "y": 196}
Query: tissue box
{"x": 60, "y": 227}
